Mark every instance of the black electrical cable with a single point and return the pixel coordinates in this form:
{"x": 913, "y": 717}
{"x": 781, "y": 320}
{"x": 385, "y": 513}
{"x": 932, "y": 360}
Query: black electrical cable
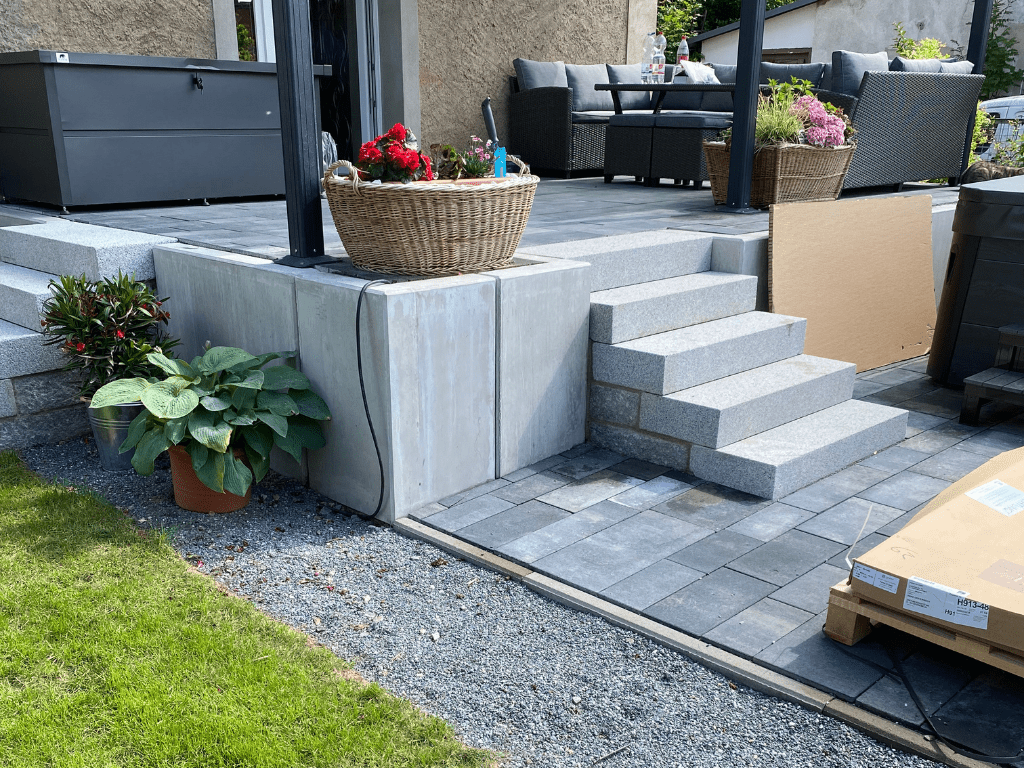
{"x": 362, "y": 389}
{"x": 898, "y": 673}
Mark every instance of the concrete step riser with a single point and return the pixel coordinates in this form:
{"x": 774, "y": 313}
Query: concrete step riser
{"x": 783, "y": 460}
{"x": 22, "y": 352}
{"x": 677, "y": 360}
{"x": 722, "y": 412}
{"x": 22, "y": 293}
{"x": 622, "y": 260}
{"x": 623, "y": 314}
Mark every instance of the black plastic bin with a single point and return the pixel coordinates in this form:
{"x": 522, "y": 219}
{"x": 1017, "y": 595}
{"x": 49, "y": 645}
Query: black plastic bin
{"x": 92, "y": 129}
{"x": 984, "y": 285}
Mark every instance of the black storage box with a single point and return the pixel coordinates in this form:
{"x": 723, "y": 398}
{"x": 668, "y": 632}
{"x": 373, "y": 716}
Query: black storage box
{"x": 91, "y": 129}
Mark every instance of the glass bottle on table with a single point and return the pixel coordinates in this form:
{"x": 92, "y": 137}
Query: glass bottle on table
{"x": 647, "y": 59}
{"x": 658, "y": 59}
{"x": 683, "y": 51}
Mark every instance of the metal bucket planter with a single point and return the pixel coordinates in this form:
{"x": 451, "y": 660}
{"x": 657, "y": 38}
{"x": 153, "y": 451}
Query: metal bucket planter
{"x": 109, "y": 430}
{"x": 189, "y": 491}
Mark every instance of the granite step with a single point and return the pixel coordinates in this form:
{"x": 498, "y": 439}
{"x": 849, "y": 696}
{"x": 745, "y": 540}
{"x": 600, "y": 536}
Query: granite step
{"x": 22, "y": 352}
{"x": 22, "y": 293}
{"x": 686, "y": 357}
{"x": 634, "y": 311}
{"x": 641, "y": 257}
{"x": 62, "y": 247}
{"x": 784, "y": 459}
{"x": 731, "y": 409}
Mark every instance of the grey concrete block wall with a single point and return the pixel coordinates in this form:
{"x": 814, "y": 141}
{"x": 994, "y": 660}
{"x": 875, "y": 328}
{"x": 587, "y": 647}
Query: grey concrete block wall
{"x": 632, "y": 442}
{"x": 67, "y": 247}
{"x": 7, "y": 404}
{"x": 541, "y": 332}
{"x": 39, "y": 409}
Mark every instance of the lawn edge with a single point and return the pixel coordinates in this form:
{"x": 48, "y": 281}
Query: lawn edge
{"x": 730, "y": 665}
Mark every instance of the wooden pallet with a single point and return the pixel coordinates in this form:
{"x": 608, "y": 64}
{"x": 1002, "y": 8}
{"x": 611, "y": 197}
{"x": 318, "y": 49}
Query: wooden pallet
{"x": 850, "y": 619}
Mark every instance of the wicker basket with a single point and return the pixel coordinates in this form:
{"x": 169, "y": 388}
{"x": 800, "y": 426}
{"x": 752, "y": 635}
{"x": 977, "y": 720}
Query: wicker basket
{"x": 430, "y": 227}
{"x": 783, "y": 173}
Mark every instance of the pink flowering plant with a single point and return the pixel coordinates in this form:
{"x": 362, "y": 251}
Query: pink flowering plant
{"x": 792, "y": 114}
{"x": 476, "y": 162}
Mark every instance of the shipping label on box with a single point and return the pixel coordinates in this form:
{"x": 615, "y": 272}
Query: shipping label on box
{"x": 941, "y": 602}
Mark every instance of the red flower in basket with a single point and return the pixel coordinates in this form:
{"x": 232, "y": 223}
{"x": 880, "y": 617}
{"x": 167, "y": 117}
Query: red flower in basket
{"x": 389, "y": 158}
{"x": 398, "y": 133}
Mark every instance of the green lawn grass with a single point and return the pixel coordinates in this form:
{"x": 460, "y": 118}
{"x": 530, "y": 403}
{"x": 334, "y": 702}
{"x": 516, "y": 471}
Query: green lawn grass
{"x": 112, "y": 653}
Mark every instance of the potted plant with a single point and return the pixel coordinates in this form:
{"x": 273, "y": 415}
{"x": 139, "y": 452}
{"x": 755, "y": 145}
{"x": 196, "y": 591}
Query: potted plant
{"x": 802, "y": 149}
{"x": 107, "y": 328}
{"x": 394, "y": 216}
{"x": 219, "y": 417}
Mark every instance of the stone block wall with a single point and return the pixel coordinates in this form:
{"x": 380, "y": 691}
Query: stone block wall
{"x": 39, "y": 409}
{"x": 613, "y": 422}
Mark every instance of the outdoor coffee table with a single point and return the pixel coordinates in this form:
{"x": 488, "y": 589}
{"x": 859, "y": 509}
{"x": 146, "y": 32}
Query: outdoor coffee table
{"x": 661, "y": 89}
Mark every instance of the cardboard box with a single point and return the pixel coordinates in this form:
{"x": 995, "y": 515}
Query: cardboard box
{"x": 959, "y": 563}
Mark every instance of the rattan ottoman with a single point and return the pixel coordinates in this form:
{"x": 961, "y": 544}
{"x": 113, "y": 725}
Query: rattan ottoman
{"x": 627, "y": 146}
{"x": 677, "y": 146}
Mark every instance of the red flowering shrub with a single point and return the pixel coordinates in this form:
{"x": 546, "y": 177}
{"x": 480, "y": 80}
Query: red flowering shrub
{"x": 388, "y": 158}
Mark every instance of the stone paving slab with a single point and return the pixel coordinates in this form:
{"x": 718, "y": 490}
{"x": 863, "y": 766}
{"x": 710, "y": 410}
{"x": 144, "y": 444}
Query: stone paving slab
{"x": 755, "y": 628}
{"x": 705, "y": 604}
{"x": 653, "y": 583}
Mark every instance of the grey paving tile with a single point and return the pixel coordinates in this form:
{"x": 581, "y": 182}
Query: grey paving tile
{"x": 893, "y": 377}
{"x": 810, "y": 591}
{"x": 807, "y": 655}
{"x": 991, "y": 443}
{"x": 900, "y": 393}
{"x": 772, "y": 521}
{"x": 512, "y": 524}
{"x": 637, "y": 468}
{"x": 472, "y": 493}
{"x": 931, "y": 442}
{"x": 895, "y": 459}
{"x": 589, "y": 463}
{"x": 548, "y": 463}
{"x": 468, "y": 512}
{"x": 845, "y": 521}
{"x": 986, "y": 714}
{"x": 712, "y": 506}
{"x": 863, "y": 545}
{"x": 427, "y": 511}
{"x": 578, "y": 450}
{"x": 551, "y": 538}
{"x": 755, "y": 628}
{"x": 784, "y": 559}
{"x": 652, "y": 584}
{"x": 905, "y": 490}
{"x": 918, "y": 364}
{"x": 944, "y": 402}
{"x": 706, "y": 603}
{"x": 714, "y": 551}
{"x": 531, "y": 487}
{"x": 590, "y": 490}
{"x": 924, "y": 420}
{"x": 863, "y": 388}
{"x": 652, "y": 493}
{"x": 519, "y": 474}
{"x": 956, "y": 429}
{"x": 609, "y": 556}
{"x": 936, "y": 678}
{"x": 951, "y": 464}
{"x": 828, "y": 492}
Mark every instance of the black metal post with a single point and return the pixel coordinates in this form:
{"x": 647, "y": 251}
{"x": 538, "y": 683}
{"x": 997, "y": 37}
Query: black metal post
{"x": 748, "y": 72}
{"x": 976, "y": 54}
{"x": 300, "y": 133}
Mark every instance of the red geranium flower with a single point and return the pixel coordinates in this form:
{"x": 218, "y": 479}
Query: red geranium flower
{"x": 368, "y": 153}
{"x": 397, "y": 132}
{"x": 79, "y": 347}
{"x": 119, "y": 334}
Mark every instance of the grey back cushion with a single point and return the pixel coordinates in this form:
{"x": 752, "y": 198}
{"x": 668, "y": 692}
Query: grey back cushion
{"x": 826, "y": 76}
{"x": 956, "y": 67}
{"x": 582, "y": 78}
{"x": 540, "y": 74}
{"x": 900, "y": 64}
{"x": 848, "y": 68}
{"x": 628, "y": 73}
{"x": 719, "y": 102}
{"x": 785, "y": 73}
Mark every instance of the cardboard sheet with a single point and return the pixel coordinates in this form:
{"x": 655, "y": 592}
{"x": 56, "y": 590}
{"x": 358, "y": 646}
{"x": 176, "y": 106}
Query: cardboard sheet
{"x": 959, "y": 562}
{"x": 860, "y": 271}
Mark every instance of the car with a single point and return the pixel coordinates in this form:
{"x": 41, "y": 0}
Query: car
{"x": 1004, "y": 111}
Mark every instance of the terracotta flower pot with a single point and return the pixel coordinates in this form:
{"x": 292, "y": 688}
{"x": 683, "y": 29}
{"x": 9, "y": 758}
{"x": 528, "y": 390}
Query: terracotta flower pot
{"x": 189, "y": 491}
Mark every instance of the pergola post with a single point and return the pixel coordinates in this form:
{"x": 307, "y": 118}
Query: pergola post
{"x": 980, "y": 23}
{"x": 748, "y": 72}
{"x": 300, "y": 133}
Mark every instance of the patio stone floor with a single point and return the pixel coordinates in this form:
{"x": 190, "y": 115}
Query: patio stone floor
{"x": 563, "y": 210}
{"x": 752, "y": 576}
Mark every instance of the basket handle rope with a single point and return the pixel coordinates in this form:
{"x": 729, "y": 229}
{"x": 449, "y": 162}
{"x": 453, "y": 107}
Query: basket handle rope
{"x": 356, "y": 182}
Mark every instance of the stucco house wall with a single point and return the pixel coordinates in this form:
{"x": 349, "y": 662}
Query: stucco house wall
{"x": 168, "y": 28}
{"x": 862, "y": 25}
{"x": 466, "y": 52}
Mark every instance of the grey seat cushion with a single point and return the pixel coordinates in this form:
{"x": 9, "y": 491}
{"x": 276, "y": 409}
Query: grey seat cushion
{"x": 956, "y": 67}
{"x": 785, "y": 73}
{"x": 701, "y": 120}
{"x": 900, "y": 64}
{"x": 848, "y": 68}
{"x": 629, "y": 73}
{"x": 582, "y": 78}
{"x": 633, "y": 121}
{"x": 719, "y": 102}
{"x": 540, "y": 74}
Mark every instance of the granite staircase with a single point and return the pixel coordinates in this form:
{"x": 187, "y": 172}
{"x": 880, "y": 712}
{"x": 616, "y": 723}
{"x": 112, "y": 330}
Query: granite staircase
{"x": 38, "y": 402}
{"x": 686, "y": 373}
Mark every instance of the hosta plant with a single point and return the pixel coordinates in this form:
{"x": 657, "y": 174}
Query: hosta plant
{"x": 221, "y": 401}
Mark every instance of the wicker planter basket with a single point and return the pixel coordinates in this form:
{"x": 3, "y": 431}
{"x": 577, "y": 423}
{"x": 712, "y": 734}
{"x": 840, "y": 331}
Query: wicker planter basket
{"x": 783, "y": 173}
{"x": 430, "y": 227}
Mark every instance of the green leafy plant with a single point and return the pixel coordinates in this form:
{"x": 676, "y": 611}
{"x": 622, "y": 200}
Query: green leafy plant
{"x": 908, "y": 48}
{"x": 792, "y": 114}
{"x": 246, "y": 45}
{"x": 107, "y": 328}
{"x": 221, "y": 401}
{"x": 1000, "y": 52}
{"x": 984, "y": 132}
{"x": 476, "y": 162}
{"x": 1011, "y": 151}
{"x": 689, "y": 17}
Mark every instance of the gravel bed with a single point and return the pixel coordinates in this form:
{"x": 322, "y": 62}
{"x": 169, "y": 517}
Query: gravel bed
{"x": 534, "y": 681}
